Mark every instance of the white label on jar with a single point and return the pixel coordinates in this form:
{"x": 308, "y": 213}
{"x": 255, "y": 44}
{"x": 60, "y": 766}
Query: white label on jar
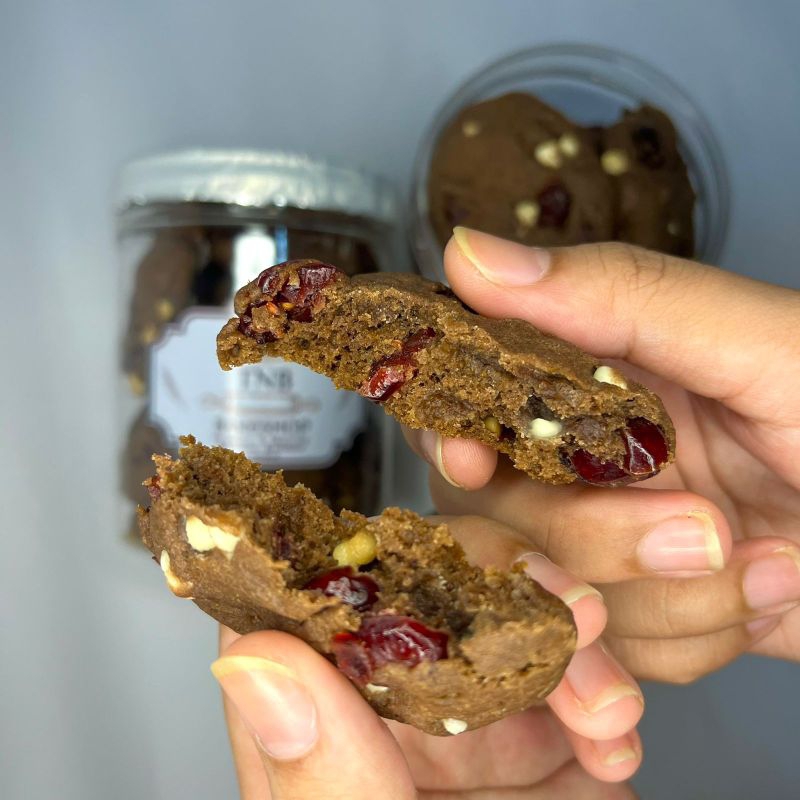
{"x": 280, "y": 414}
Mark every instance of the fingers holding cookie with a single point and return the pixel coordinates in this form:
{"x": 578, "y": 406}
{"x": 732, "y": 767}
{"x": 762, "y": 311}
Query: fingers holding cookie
{"x": 312, "y": 732}
{"x": 603, "y": 536}
{"x": 486, "y": 541}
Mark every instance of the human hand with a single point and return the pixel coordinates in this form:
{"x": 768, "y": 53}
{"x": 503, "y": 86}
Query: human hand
{"x": 700, "y": 563}
{"x": 300, "y": 730}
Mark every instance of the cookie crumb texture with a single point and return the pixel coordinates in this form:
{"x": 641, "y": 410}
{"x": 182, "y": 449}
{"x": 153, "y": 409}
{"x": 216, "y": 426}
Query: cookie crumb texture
{"x": 427, "y": 638}
{"x": 411, "y": 346}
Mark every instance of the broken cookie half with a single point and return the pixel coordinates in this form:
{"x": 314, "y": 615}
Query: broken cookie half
{"x": 411, "y": 346}
{"x": 427, "y": 638}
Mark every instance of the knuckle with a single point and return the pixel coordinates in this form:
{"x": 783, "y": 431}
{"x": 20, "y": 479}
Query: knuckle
{"x": 640, "y": 273}
{"x": 678, "y": 615}
{"x": 682, "y": 674}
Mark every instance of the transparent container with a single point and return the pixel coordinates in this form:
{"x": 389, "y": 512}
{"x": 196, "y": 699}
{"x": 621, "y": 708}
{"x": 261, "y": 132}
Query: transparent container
{"x": 195, "y": 226}
{"x": 592, "y": 86}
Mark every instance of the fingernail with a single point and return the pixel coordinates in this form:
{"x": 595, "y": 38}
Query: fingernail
{"x": 615, "y": 751}
{"x": 555, "y": 580}
{"x": 618, "y": 756}
{"x": 598, "y": 681}
{"x": 431, "y": 444}
{"x": 773, "y": 580}
{"x": 685, "y": 545}
{"x": 511, "y": 264}
{"x": 274, "y": 705}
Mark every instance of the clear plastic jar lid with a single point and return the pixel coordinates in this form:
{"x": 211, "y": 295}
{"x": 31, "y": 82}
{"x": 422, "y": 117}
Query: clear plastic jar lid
{"x": 255, "y": 179}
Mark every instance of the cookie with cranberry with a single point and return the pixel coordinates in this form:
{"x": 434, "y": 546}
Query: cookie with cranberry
{"x": 515, "y": 167}
{"x": 654, "y": 199}
{"x": 426, "y": 637}
{"x": 410, "y": 345}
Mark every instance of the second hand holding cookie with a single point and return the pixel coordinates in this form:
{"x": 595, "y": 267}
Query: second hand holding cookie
{"x": 713, "y": 541}
{"x": 299, "y": 729}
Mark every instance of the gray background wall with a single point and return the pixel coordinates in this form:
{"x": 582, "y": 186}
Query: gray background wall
{"x": 104, "y": 686}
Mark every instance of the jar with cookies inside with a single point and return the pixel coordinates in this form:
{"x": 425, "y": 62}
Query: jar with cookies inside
{"x": 568, "y": 144}
{"x": 194, "y": 226}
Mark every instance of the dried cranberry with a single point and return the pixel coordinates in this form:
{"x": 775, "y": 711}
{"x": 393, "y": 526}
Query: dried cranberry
{"x": 298, "y": 301}
{"x": 646, "y": 452}
{"x": 554, "y": 204}
{"x": 647, "y": 144}
{"x": 593, "y": 470}
{"x": 387, "y": 639}
{"x": 154, "y": 488}
{"x": 647, "y": 449}
{"x": 246, "y": 325}
{"x": 281, "y": 546}
{"x": 353, "y": 588}
{"x": 301, "y": 301}
{"x": 270, "y": 279}
{"x": 387, "y": 379}
{"x": 391, "y": 373}
{"x": 417, "y": 341}
{"x": 352, "y": 657}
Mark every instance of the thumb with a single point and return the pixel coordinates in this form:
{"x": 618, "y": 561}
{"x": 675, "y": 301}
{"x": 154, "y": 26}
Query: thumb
{"x": 715, "y": 333}
{"x": 315, "y": 734}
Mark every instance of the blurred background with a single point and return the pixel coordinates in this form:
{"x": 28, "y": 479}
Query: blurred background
{"x": 105, "y": 682}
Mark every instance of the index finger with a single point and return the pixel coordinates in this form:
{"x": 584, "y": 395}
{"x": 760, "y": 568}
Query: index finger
{"x": 675, "y": 318}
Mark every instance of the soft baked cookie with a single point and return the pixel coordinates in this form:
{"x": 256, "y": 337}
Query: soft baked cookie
{"x": 426, "y": 637}
{"x": 163, "y": 288}
{"x": 432, "y": 363}
{"x": 653, "y": 195}
{"x": 517, "y": 168}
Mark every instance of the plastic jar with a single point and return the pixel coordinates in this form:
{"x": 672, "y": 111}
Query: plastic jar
{"x": 195, "y": 226}
{"x": 591, "y": 85}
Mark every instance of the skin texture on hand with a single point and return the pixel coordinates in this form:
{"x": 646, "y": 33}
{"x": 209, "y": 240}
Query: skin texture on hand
{"x": 702, "y": 562}
{"x": 300, "y": 730}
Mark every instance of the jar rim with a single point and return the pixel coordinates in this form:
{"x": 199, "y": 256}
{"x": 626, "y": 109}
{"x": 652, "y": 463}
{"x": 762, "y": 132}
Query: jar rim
{"x": 598, "y": 68}
{"x": 255, "y": 178}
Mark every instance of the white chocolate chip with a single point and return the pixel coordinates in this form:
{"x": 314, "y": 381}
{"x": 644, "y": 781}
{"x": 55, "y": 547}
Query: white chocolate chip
{"x": 615, "y": 162}
{"x": 541, "y": 428}
{"x": 198, "y": 534}
{"x": 204, "y": 537}
{"x": 359, "y": 549}
{"x": 136, "y": 384}
{"x": 225, "y": 541}
{"x": 454, "y": 726}
{"x": 610, "y": 375}
{"x": 148, "y": 335}
{"x": 569, "y": 145}
{"x": 373, "y": 688}
{"x": 176, "y": 585}
{"x": 165, "y": 309}
{"x": 527, "y": 213}
{"x": 548, "y": 154}
{"x": 470, "y": 128}
{"x": 673, "y": 228}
